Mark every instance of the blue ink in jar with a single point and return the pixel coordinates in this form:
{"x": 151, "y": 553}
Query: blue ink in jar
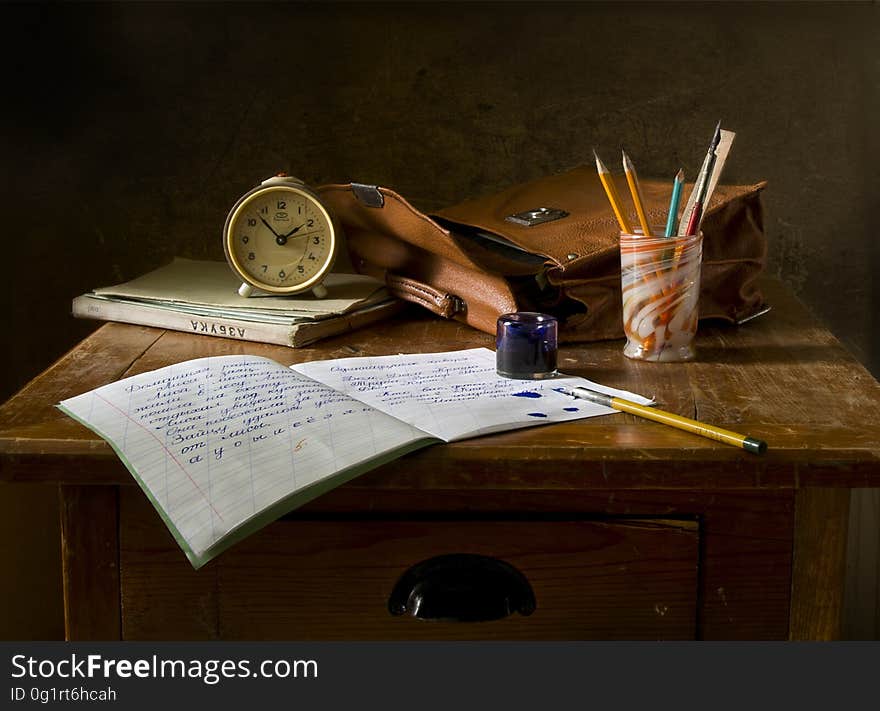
{"x": 525, "y": 345}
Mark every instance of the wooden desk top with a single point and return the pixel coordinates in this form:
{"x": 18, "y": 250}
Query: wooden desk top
{"x": 782, "y": 377}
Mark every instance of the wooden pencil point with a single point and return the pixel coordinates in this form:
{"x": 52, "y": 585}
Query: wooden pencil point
{"x": 611, "y": 193}
{"x": 632, "y": 180}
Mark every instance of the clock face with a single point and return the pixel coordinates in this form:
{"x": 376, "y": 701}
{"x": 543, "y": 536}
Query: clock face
{"x": 280, "y": 239}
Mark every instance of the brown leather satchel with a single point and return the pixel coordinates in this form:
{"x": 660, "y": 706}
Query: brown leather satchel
{"x": 550, "y": 245}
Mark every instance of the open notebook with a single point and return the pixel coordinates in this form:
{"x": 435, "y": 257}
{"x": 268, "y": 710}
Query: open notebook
{"x": 224, "y": 445}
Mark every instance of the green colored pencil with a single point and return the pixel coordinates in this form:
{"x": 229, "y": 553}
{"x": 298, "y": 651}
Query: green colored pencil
{"x": 673, "y": 203}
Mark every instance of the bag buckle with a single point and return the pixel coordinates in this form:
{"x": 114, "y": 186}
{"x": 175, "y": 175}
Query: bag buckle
{"x": 536, "y": 216}
{"x": 369, "y": 195}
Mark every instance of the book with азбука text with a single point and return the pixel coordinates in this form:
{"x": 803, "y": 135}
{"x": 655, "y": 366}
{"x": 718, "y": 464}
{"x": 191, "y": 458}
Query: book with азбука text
{"x": 202, "y": 298}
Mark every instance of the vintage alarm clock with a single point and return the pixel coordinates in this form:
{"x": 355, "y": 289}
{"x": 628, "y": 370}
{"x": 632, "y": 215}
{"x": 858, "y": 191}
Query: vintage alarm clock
{"x": 279, "y": 239}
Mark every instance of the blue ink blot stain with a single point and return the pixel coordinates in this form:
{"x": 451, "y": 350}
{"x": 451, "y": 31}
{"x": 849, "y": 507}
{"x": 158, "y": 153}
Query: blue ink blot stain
{"x": 570, "y": 409}
{"x": 537, "y": 414}
{"x": 527, "y": 393}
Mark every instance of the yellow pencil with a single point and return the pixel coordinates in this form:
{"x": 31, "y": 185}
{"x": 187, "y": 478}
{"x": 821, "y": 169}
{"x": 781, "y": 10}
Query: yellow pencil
{"x": 633, "y": 180}
{"x": 750, "y": 444}
{"x": 611, "y": 192}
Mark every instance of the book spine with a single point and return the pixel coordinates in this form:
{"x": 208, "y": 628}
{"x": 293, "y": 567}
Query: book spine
{"x": 308, "y": 333}
{"x": 279, "y": 334}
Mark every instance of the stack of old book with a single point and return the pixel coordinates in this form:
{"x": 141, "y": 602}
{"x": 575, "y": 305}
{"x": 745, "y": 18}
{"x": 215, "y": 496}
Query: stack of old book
{"x": 202, "y": 297}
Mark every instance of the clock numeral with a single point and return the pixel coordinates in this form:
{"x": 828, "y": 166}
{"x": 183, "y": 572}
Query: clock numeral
{"x": 316, "y": 240}
{"x": 282, "y": 205}
{"x": 251, "y": 256}
{"x": 301, "y": 269}
{"x": 252, "y": 222}
{"x": 265, "y": 267}
{"x": 312, "y": 256}
{"x": 245, "y": 239}
{"x": 311, "y": 223}
{"x": 264, "y": 210}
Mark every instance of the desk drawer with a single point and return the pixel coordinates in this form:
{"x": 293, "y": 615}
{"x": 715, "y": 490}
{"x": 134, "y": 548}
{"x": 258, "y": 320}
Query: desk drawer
{"x": 332, "y": 578}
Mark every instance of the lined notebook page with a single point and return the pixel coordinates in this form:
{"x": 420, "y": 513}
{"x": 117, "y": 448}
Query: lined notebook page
{"x": 216, "y": 443}
{"x": 457, "y": 394}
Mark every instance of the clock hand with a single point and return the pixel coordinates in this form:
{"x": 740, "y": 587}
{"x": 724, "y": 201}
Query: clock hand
{"x": 294, "y": 230}
{"x": 270, "y": 228}
{"x": 281, "y": 240}
{"x": 307, "y": 234}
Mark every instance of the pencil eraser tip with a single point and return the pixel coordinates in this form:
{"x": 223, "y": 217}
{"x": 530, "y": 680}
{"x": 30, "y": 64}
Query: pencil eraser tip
{"x": 755, "y": 446}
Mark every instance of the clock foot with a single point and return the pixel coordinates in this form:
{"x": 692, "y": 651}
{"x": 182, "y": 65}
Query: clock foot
{"x": 320, "y": 291}
{"x": 245, "y": 290}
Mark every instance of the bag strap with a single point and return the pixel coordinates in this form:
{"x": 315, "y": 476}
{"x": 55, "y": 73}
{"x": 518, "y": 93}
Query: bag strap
{"x": 445, "y": 305}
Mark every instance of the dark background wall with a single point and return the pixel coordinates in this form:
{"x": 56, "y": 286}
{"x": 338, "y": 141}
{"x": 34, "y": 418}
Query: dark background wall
{"x": 129, "y": 129}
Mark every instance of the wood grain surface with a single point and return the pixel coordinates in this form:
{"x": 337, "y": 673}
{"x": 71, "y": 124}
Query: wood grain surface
{"x": 782, "y": 377}
{"x": 314, "y": 578}
{"x": 730, "y": 545}
{"x": 90, "y": 562}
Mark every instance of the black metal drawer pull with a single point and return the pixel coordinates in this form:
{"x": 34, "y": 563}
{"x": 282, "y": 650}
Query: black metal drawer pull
{"x": 462, "y": 587}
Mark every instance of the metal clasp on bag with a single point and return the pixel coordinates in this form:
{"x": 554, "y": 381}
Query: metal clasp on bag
{"x": 536, "y": 216}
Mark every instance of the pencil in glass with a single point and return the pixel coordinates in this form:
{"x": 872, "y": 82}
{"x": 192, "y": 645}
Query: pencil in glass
{"x": 632, "y": 179}
{"x": 611, "y": 192}
{"x": 674, "y": 201}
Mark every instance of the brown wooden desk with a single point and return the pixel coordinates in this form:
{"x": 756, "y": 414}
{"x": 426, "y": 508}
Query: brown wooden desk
{"x": 624, "y": 528}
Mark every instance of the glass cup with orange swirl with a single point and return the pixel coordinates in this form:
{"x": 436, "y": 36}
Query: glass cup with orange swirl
{"x": 660, "y": 283}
